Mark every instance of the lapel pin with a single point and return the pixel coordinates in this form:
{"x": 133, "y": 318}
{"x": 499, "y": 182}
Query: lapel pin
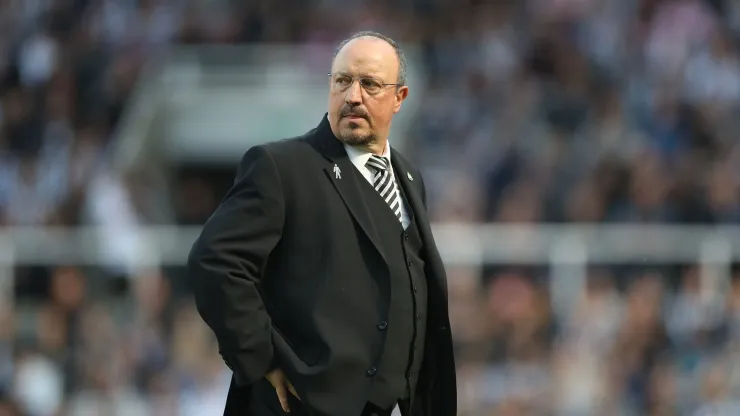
{"x": 337, "y": 172}
{"x": 408, "y": 175}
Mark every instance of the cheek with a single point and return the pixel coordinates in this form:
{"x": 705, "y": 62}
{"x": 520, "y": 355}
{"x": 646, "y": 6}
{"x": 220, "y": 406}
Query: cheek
{"x": 335, "y": 103}
{"x": 381, "y": 114}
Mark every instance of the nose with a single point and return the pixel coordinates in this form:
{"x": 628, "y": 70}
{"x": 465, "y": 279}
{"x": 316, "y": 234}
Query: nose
{"x": 353, "y": 95}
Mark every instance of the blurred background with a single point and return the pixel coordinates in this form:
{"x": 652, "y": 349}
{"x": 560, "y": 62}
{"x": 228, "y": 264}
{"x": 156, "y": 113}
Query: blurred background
{"x": 581, "y": 158}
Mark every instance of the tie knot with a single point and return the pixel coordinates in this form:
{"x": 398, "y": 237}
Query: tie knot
{"x": 378, "y": 162}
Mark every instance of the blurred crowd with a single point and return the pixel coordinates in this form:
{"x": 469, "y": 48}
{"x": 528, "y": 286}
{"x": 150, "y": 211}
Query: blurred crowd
{"x": 585, "y": 111}
{"x": 533, "y": 111}
{"x": 636, "y": 342}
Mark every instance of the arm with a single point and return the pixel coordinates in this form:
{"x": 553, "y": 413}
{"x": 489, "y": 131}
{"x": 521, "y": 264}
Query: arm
{"x": 423, "y": 191}
{"x": 226, "y": 262}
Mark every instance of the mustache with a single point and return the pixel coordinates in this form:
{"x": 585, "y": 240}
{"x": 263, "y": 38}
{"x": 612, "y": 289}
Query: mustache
{"x": 357, "y": 112}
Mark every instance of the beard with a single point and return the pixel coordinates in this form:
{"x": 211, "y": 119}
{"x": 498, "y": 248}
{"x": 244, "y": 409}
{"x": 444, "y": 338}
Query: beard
{"x": 353, "y": 133}
{"x": 357, "y": 137}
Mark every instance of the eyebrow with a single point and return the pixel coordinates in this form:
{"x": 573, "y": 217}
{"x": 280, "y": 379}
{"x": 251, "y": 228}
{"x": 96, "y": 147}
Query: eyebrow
{"x": 347, "y": 74}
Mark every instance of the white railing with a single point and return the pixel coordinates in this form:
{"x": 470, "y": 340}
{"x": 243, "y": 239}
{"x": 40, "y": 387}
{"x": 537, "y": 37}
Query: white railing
{"x": 568, "y": 249}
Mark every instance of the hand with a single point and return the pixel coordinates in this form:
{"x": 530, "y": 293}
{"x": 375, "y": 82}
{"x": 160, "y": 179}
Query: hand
{"x": 282, "y": 386}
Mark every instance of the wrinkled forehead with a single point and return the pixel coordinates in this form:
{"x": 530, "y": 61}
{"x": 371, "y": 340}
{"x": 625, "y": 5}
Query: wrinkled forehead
{"x": 367, "y": 57}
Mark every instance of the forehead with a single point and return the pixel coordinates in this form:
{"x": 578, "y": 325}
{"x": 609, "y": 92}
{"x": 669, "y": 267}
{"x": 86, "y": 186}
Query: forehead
{"x": 367, "y": 56}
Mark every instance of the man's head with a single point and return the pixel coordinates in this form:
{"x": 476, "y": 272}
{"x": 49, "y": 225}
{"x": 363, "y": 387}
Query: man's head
{"x": 366, "y": 88}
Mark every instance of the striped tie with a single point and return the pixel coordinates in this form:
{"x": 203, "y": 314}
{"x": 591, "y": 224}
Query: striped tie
{"x": 385, "y": 183}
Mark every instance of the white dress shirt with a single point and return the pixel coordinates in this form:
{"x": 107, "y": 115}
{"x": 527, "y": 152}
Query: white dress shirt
{"x": 359, "y": 158}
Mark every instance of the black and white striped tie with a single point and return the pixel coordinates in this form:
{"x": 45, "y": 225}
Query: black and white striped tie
{"x": 385, "y": 183}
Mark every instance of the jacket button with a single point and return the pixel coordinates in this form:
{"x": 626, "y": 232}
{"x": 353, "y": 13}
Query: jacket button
{"x": 415, "y": 289}
{"x": 418, "y": 317}
{"x": 383, "y": 325}
{"x": 371, "y": 371}
{"x": 411, "y": 263}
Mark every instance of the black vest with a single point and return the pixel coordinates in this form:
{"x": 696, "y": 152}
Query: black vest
{"x": 399, "y": 367}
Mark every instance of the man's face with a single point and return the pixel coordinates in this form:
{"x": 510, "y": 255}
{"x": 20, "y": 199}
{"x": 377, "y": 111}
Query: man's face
{"x": 361, "y": 106}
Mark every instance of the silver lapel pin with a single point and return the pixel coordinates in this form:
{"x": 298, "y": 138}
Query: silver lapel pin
{"x": 408, "y": 175}
{"x": 337, "y": 172}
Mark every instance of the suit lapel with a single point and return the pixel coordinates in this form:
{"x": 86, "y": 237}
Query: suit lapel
{"x": 400, "y": 167}
{"x": 341, "y": 173}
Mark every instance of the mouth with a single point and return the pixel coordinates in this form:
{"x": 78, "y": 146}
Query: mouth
{"x": 354, "y": 117}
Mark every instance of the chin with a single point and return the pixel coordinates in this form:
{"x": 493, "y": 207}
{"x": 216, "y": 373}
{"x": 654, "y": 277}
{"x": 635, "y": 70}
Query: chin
{"x": 355, "y": 128}
{"x": 357, "y": 137}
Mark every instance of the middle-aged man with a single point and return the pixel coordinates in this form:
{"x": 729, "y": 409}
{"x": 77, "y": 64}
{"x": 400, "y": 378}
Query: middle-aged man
{"x": 318, "y": 272}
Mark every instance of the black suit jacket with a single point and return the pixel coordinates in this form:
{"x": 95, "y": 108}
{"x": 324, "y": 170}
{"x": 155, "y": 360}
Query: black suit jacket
{"x": 288, "y": 272}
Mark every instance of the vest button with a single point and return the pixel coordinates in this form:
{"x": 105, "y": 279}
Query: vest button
{"x": 405, "y": 236}
{"x": 383, "y": 325}
{"x": 371, "y": 371}
{"x": 418, "y": 317}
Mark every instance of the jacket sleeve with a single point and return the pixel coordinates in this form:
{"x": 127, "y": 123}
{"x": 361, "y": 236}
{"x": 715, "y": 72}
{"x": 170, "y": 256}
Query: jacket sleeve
{"x": 226, "y": 263}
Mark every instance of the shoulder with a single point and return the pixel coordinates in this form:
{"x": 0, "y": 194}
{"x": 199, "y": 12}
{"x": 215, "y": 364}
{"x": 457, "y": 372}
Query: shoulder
{"x": 411, "y": 171}
{"x": 287, "y": 148}
{"x": 405, "y": 163}
{"x": 283, "y": 152}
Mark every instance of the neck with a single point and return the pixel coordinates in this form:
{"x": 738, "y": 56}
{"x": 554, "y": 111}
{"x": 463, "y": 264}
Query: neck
{"x": 377, "y": 149}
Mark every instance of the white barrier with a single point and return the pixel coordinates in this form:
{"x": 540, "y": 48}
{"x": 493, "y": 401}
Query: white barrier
{"x": 568, "y": 249}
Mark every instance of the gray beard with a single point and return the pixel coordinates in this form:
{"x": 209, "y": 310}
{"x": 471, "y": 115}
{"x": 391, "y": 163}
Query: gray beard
{"x": 353, "y": 139}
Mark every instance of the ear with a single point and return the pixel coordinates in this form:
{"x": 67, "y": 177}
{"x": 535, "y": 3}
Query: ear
{"x": 401, "y": 95}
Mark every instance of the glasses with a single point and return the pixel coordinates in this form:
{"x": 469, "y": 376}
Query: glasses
{"x": 342, "y": 82}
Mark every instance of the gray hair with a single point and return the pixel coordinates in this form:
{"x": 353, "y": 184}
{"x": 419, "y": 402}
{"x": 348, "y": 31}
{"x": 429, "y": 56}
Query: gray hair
{"x": 399, "y": 52}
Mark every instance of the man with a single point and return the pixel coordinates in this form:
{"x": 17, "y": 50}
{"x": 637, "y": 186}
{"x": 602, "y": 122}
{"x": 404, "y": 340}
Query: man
{"x": 318, "y": 272}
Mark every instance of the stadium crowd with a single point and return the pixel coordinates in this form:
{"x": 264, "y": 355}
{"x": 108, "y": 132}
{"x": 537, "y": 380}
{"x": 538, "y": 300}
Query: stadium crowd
{"x": 534, "y": 111}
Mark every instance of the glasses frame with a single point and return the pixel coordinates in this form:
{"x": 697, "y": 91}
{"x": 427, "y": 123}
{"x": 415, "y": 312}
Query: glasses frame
{"x": 359, "y": 79}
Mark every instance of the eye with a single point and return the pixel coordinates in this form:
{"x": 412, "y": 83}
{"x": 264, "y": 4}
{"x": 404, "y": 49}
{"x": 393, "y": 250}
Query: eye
{"x": 370, "y": 85}
{"x": 343, "y": 82}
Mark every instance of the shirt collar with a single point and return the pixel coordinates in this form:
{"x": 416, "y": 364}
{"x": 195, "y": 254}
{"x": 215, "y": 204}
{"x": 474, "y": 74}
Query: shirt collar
{"x": 359, "y": 157}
